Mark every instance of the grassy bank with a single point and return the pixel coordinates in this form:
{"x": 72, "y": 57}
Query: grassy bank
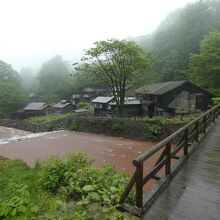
{"x": 60, "y": 189}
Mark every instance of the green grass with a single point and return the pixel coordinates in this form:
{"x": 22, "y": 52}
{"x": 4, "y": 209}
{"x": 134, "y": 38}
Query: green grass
{"x": 48, "y": 118}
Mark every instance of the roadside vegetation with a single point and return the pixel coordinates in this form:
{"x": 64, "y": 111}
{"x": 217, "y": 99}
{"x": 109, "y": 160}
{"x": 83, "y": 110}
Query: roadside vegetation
{"x": 60, "y": 189}
{"x": 48, "y": 118}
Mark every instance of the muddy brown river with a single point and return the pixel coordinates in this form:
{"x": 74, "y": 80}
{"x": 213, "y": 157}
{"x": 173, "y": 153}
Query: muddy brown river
{"x": 16, "y": 144}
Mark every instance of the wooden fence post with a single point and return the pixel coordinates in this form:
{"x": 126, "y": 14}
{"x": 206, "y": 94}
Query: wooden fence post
{"x": 139, "y": 186}
{"x": 168, "y": 159}
{"x": 185, "y": 149}
{"x": 205, "y": 124}
{"x": 197, "y": 132}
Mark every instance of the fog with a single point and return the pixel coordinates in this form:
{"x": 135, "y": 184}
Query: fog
{"x": 33, "y": 31}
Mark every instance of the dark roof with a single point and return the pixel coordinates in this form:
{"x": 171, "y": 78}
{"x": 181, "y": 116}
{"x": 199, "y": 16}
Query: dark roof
{"x": 62, "y": 104}
{"x": 103, "y": 99}
{"x": 35, "y": 106}
{"x": 159, "y": 88}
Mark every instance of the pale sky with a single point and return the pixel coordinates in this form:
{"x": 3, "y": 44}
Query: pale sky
{"x": 33, "y": 31}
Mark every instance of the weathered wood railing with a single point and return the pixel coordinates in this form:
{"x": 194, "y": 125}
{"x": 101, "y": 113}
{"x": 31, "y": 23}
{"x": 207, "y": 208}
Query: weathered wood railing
{"x": 177, "y": 147}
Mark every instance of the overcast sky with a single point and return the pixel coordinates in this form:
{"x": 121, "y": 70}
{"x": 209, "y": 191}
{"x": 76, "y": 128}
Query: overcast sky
{"x": 33, "y": 31}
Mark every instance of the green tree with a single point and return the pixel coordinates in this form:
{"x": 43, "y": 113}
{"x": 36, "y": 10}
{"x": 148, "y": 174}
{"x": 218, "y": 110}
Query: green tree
{"x": 7, "y": 74}
{"x": 55, "y": 80}
{"x": 11, "y": 94}
{"x": 205, "y": 66}
{"x": 116, "y": 62}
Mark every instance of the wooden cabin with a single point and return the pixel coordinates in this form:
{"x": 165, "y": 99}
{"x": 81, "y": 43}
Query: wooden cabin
{"x": 106, "y": 106}
{"x": 176, "y": 97}
{"x": 63, "y": 107}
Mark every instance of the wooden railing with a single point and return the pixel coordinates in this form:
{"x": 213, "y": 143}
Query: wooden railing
{"x": 172, "y": 151}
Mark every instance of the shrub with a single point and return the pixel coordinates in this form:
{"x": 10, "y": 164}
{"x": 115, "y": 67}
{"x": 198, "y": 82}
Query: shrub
{"x": 74, "y": 179}
{"x": 153, "y": 131}
{"x": 75, "y": 126}
{"x": 117, "y": 127}
{"x": 216, "y": 100}
{"x": 18, "y": 204}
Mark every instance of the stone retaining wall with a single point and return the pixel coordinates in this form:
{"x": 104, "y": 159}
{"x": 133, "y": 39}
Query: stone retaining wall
{"x": 118, "y": 127}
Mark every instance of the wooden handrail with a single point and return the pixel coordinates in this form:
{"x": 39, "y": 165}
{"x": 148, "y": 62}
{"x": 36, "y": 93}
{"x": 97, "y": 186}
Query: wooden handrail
{"x": 184, "y": 137}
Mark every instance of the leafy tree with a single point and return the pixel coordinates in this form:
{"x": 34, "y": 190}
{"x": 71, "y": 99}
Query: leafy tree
{"x": 7, "y": 74}
{"x": 11, "y": 94}
{"x": 179, "y": 35}
{"x": 54, "y": 80}
{"x": 116, "y": 62}
{"x": 205, "y": 66}
{"x": 182, "y": 36}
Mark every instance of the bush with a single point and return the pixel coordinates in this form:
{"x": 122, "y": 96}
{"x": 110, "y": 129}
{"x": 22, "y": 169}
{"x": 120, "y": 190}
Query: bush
{"x": 74, "y": 179}
{"x": 153, "y": 131}
{"x": 85, "y": 105}
{"x": 18, "y": 203}
{"x": 117, "y": 127}
{"x": 75, "y": 126}
{"x": 216, "y": 100}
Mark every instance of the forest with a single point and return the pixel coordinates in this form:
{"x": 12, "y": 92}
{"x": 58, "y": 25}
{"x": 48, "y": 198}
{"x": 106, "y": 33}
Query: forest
{"x": 185, "y": 46}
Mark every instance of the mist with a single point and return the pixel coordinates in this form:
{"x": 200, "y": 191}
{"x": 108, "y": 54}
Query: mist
{"x": 34, "y": 31}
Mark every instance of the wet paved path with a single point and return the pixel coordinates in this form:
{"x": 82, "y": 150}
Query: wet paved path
{"x": 194, "y": 194}
{"x": 105, "y": 149}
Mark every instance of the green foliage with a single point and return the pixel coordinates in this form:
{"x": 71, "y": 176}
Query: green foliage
{"x": 157, "y": 120}
{"x": 95, "y": 191}
{"x": 154, "y": 131}
{"x": 60, "y": 189}
{"x": 116, "y": 62}
{"x": 205, "y": 66}
{"x": 48, "y": 118}
{"x": 182, "y": 36}
{"x": 55, "y": 168}
{"x": 179, "y": 35}
{"x": 75, "y": 126}
{"x": 11, "y": 95}
{"x": 54, "y": 80}
{"x": 18, "y": 203}
{"x": 85, "y": 105}
{"x": 216, "y": 100}
{"x": 117, "y": 127}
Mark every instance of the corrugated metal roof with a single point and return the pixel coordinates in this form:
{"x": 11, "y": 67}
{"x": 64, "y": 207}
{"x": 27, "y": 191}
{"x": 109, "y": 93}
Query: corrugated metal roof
{"x": 103, "y": 99}
{"x": 129, "y": 102}
{"x": 62, "y": 104}
{"x": 159, "y": 88}
{"x": 35, "y": 106}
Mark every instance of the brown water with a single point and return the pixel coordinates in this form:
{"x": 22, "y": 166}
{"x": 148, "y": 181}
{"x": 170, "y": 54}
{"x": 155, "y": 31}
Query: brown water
{"x": 6, "y": 133}
{"x": 104, "y": 149}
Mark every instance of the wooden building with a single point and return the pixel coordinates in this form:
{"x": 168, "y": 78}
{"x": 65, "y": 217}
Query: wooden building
{"x": 63, "y": 107}
{"x": 106, "y": 106}
{"x": 177, "y": 97}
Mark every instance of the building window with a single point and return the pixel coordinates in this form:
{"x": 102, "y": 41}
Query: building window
{"x": 98, "y": 105}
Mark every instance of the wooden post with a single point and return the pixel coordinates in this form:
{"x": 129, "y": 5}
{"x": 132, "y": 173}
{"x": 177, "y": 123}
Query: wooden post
{"x": 139, "y": 186}
{"x": 168, "y": 159}
{"x": 213, "y": 116}
{"x": 197, "y": 132}
{"x": 185, "y": 149}
{"x": 205, "y": 124}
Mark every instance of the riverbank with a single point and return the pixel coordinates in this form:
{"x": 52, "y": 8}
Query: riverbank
{"x": 155, "y": 129}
